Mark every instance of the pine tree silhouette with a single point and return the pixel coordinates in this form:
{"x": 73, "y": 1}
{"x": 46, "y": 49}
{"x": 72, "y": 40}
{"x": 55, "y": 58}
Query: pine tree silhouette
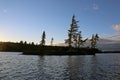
{"x": 72, "y": 33}
{"x": 42, "y": 42}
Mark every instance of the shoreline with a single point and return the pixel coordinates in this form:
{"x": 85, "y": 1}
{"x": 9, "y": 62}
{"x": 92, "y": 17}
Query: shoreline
{"x": 50, "y": 50}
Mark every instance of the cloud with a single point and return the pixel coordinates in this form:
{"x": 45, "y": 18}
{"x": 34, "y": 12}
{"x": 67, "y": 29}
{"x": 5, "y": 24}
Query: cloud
{"x": 95, "y": 7}
{"x": 102, "y": 44}
{"x": 115, "y": 36}
{"x": 116, "y": 27}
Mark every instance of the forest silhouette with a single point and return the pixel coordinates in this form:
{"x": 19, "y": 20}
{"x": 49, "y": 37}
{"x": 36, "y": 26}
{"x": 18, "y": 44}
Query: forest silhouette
{"x": 75, "y": 44}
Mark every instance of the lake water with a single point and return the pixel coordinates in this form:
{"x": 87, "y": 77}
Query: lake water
{"x": 15, "y": 66}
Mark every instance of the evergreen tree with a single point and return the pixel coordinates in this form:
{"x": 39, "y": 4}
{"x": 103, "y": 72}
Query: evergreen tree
{"x": 96, "y": 37}
{"x": 32, "y": 43}
{"x": 52, "y": 41}
{"x": 94, "y": 40}
{"x": 42, "y": 42}
{"x": 72, "y": 33}
{"x": 21, "y": 42}
{"x": 25, "y": 42}
{"x": 80, "y": 40}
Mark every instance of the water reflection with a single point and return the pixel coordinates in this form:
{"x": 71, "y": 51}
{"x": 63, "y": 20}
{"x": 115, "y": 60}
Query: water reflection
{"x": 88, "y": 67}
{"x": 80, "y": 68}
{"x": 41, "y": 72}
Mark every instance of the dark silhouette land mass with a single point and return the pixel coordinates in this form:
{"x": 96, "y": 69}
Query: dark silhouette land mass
{"x": 74, "y": 41}
{"x": 32, "y": 49}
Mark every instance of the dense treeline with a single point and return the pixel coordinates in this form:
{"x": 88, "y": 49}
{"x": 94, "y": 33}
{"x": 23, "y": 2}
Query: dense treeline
{"x": 19, "y": 47}
{"x": 38, "y": 49}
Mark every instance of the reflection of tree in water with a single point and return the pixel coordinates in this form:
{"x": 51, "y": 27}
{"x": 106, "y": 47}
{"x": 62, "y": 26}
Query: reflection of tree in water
{"x": 94, "y": 66}
{"x": 89, "y": 67}
{"x": 73, "y": 68}
{"x": 44, "y": 68}
{"x": 80, "y": 67}
{"x": 51, "y": 68}
{"x": 69, "y": 68}
{"x": 41, "y": 72}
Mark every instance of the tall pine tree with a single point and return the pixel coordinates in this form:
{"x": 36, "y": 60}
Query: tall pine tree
{"x": 52, "y": 41}
{"x": 94, "y": 40}
{"x": 72, "y": 33}
{"x": 42, "y": 42}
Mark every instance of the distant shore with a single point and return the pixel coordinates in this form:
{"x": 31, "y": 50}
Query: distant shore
{"x": 110, "y": 52}
{"x": 31, "y": 49}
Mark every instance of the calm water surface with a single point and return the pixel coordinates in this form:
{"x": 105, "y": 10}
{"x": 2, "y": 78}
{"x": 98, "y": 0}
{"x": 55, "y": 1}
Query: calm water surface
{"x": 15, "y": 66}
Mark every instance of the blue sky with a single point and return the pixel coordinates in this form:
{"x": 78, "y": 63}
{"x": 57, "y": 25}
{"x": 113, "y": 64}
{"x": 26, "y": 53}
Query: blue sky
{"x": 27, "y": 19}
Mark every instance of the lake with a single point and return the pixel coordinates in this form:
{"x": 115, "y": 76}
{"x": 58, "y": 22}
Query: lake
{"x": 15, "y": 66}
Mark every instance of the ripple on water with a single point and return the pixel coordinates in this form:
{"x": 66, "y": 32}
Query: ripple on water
{"x": 25, "y": 67}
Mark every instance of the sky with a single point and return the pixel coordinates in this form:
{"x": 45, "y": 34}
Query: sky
{"x": 27, "y": 19}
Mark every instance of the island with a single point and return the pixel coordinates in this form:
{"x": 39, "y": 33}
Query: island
{"x": 75, "y": 44}
{"x": 61, "y": 50}
{"x": 32, "y": 49}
